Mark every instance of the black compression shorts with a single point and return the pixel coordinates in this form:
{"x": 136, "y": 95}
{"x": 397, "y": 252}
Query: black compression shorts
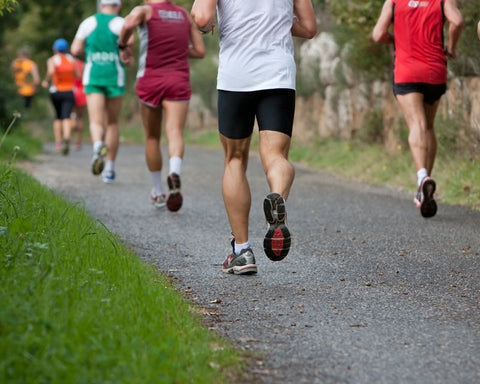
{"x": 431, "y": 92}
{"x": 273, "y": 108}
{"x": 63, "y": 102}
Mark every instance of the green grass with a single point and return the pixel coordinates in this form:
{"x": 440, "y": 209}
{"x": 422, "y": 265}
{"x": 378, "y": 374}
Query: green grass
{"x": 77, "y": 306}
{"x": 457, "y": 176}
{"x": 18, "y": 144}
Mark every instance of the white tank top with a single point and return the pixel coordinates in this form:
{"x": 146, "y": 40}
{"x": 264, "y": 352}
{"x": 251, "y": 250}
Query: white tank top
{"x": 256, "y": 47}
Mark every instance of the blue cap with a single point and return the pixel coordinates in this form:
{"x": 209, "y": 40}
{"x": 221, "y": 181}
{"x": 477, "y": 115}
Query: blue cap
{"x": 60, "y": 45}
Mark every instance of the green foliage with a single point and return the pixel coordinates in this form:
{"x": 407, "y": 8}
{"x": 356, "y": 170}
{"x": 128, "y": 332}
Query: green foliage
{"x": 204, "y": 80}
{"x": 467, "y": 62}
{"x": 77, "y": 306}
{"x": 6, "y": 5}
{"x": 17, "y": 143}
{"x": 372, "y": 131}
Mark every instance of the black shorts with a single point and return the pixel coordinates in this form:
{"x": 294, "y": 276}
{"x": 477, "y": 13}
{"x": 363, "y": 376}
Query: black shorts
{"x": 431, "y": 92}
{"x": 273, "y": 108}
{"x": 63, "y": 102}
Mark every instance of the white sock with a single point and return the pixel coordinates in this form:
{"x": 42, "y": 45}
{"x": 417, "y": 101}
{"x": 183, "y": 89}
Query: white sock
{"x": 96, "y": 146}
{"x": 157, "y": 183}
{"x": 176, "y": 165}
{"x": 421, "y": 174}
{"x": 240, "y": 247}
{"x": 109, "y": 165}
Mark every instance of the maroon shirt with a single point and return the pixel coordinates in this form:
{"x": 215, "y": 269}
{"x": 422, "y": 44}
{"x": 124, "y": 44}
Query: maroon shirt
{"x": 164, "y": 42}
{"x": 419, "y": 44}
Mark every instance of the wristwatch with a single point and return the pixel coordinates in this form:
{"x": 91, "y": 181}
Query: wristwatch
{"x": 121, "y": 46}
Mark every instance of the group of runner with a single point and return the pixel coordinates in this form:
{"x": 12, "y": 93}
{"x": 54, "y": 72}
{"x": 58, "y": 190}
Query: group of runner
{"x": 256, "y": 81}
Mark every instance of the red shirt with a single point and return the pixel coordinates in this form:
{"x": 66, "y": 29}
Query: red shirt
{"x": 164, "y": 41}
{"x": 419, "y": 44}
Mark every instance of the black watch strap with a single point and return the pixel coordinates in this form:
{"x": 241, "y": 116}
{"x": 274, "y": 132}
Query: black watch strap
{"x": 121, "y": 46}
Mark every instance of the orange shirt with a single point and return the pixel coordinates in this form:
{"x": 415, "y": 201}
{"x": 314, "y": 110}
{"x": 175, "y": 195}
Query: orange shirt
{"x": 22, "y": 72}
{"x": 64, "y": 76}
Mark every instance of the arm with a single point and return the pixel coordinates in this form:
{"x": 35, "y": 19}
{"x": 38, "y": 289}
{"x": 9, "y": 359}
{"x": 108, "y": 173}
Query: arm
{"x": 50, "y": 73}
{"x": 455, "y": 25}
{"x": 35, "y": 75}
{"x": 197, "y": 46}
{"x": 77, "y": 48}
{"x": 304, "y": 22}
{"x": 380, "y": 32}
{"x": 478, "y": 29}
{"x": 137, "y": 16}
{"x": 203, "y": 14}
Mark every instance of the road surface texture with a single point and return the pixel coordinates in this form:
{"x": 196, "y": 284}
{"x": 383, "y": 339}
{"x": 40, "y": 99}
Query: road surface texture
{"x": 370, "y": 293}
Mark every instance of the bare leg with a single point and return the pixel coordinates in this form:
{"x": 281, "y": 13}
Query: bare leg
{"x": 175, "y": 117}
{"x": 236, "y": 190}
{"x": 430, "y": 112}
{"x": 152, "y": 124}
{"x": 112, "y": 135}
{"x": 57, "y": 130}
{"x": 414, "y": 113}
{"x": 274, "y": 147}
{"x": 79, "y": 126}
{"x": 423, "y": 146}
{"x": 66, "y": 128}
{"x": 96, "y": 104}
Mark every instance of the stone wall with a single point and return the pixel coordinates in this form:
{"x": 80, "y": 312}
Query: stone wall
{"x": 342, "y": 104}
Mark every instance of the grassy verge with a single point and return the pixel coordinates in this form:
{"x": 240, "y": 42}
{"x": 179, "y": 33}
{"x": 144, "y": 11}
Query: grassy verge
{"x": 76, "y": 305}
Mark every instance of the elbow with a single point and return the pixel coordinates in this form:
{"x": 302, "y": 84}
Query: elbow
{"x": 457, "y": 22}
{"x": 200, "y": 53}
{"x": 461, "y": 23}
{"x": 201, "y": 19}
{"x": 311, "y": 31}
{"x": 376, "y": 36}
{"x": 75, "y": 49}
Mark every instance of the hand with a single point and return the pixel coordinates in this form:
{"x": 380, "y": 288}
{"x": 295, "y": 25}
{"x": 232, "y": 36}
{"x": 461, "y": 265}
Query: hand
{"x": 209, "y": 27}
{"x": 126, "y": 55}
{"x": 450, "y": 55}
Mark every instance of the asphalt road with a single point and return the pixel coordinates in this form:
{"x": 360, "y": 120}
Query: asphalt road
{"x": 370, "y": 293}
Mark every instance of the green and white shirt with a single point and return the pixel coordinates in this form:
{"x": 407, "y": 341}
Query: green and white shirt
{"x": 103, "y": 66}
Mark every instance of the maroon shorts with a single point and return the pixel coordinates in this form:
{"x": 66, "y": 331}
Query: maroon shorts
{"x": 153, "y": 90}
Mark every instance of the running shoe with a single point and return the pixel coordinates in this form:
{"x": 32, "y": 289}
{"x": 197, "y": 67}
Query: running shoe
{"x": 108, "y": 177}
{"x": 276, "y": 243}
{"x": 98, "y": 160}
{"x": 158, "y": 201}
{"x": 175, "y": 199}
{"x": 424, "y": 198}
{"x": 58, "y": 147}
{"x": 242, "y": 264}
{"x": 65, "y": 147}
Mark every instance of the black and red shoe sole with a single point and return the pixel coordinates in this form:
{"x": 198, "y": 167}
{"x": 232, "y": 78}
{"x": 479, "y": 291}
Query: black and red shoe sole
{"x": 428, "y": 208}
{"x": 277, "y": 241}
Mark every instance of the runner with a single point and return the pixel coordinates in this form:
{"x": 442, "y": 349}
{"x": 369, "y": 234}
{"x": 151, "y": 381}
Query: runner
{"x": 256, "y": 80}
{"x": 104, "y": 82}
{"x": 60, "y": 79}
{"x": 27, "y": 78}
{"x": 420, "y": 76}
{"x": 167, "y": 39}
